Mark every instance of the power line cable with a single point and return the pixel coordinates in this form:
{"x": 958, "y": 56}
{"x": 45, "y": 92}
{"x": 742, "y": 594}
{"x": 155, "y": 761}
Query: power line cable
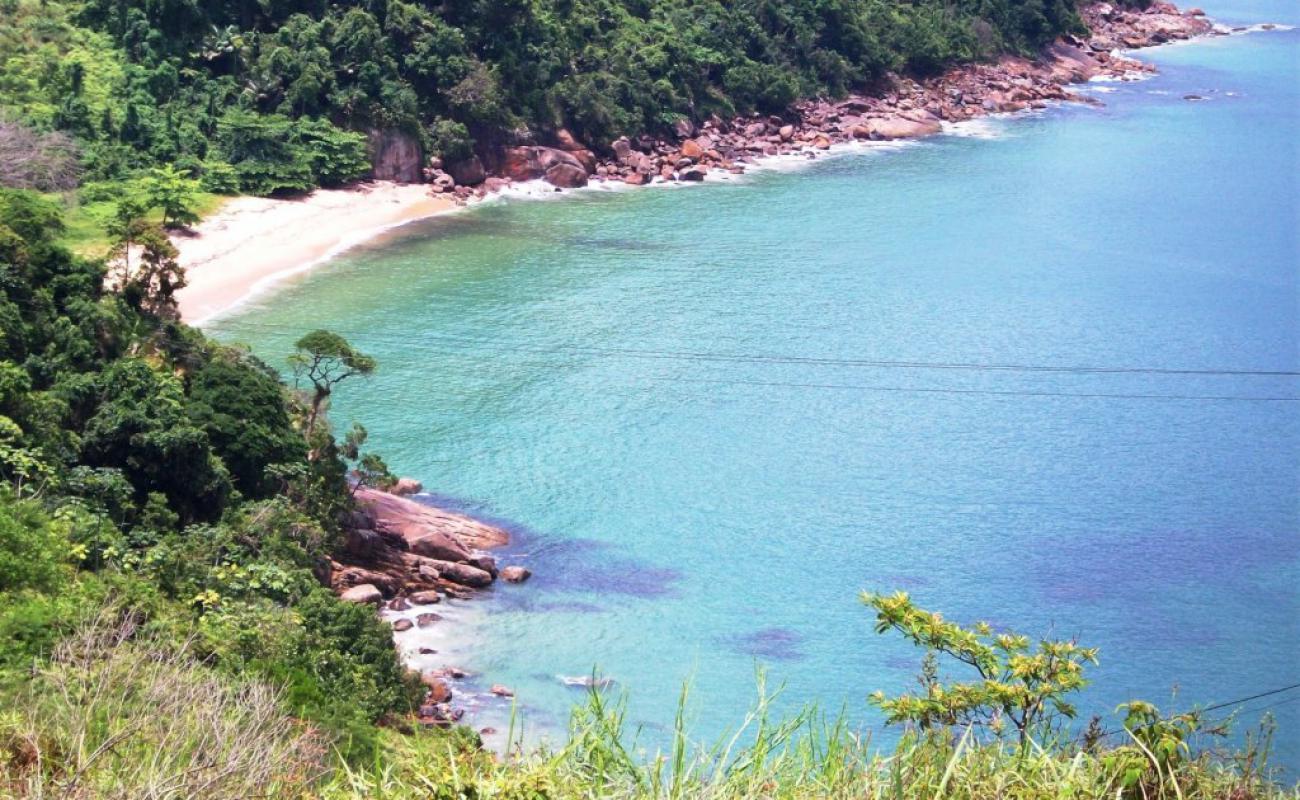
{"x": 1226, "y": 704}
{"x": 989, "y": 392}
{"x": 690, "y": 355}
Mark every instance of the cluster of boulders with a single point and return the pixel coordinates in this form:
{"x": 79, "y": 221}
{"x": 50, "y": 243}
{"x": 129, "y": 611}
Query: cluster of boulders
{"x": 907, "y": 109}
{"x": 459, "y": 179}
{"x": 402, "y": 556}
{"x": 395, "y": 546}
{"x": 1114, "y": 28}
{"x": 401, "y": 552}
{"x": 903, "y": 109}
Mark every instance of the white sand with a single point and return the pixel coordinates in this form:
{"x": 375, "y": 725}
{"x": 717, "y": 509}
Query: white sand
{"x": 253, "y": 241}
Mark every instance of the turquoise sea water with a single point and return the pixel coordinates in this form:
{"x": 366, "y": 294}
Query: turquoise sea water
{"x": 560, "y": 365}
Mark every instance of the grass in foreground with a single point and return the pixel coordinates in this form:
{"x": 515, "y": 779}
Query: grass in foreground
{"x": 116, "y": 716}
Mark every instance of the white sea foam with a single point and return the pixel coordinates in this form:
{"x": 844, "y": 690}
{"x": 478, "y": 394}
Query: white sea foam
{"x": 1261, "y": 27}
{"x": 989, "y": 127}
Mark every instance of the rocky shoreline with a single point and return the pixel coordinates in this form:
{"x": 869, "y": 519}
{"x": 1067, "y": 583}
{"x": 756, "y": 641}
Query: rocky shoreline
{"x": 402, "y": 555}
{"x": 903, "y": 109}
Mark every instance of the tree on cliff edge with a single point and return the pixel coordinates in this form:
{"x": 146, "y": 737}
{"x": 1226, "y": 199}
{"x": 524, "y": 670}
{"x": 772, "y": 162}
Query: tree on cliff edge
{"x": 325, "y": 359}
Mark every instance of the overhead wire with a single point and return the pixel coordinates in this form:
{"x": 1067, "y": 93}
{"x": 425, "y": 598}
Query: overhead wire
{"x": 691, "y": 355}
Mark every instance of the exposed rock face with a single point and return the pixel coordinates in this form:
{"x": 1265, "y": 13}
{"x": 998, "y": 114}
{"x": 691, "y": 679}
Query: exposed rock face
{"x": 408, "y": 518}
{"x": 468, "y": 172}
{"x": 395, "y": 156}
{"x": 406, "y": 545}
{"x": 364, "y": 593}
{"x": 565, "y": 140}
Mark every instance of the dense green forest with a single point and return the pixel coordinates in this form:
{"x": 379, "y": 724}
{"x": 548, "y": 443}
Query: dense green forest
{"x": 148, "y": 472}
{"x": 272, "y": 96}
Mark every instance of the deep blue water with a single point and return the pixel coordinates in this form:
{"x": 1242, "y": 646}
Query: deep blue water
{"x": 555, "y": 364}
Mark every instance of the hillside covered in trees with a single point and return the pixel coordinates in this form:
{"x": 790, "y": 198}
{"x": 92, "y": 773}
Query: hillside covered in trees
{"x": 169, "y": 505}
{"x": 265, "y": 97}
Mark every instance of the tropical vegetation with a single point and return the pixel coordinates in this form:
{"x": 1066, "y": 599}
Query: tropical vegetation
{"x": 168, "y": 504}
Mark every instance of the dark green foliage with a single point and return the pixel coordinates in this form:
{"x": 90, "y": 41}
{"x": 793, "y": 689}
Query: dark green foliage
{"x": 273, "y": 154}
{"x": 182, "y": 464}
{"x": 274, "y": 88}
{"x": 33, "y": 554}
{"x": 336, "y": 157}
{"x": 259, "y": 149}
{"x": 140, "y": 427}
{"x": 241, "y": 406}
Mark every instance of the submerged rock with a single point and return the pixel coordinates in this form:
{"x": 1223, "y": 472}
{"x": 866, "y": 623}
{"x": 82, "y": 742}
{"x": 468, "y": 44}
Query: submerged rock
{"x": 515, "y": 574}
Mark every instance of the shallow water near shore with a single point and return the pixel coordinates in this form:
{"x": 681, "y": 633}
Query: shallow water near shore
{"x": 716, "y": 413}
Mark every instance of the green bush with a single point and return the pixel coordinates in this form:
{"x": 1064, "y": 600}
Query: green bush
{"x": 34, "y": 552}
{"x": 336, "y": 157}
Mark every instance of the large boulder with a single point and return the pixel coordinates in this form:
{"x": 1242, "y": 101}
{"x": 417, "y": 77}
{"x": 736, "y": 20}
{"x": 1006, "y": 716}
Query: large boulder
{"x": 365, "y": 593}
{"x": 566, "y": 176}
{"x": 395, "y": 156}
{"x": 436, "y": 544}
{"x": 1078, "y": 64}
{"x": 486, "y": 563}
{"x": 439, "y": 691}
{"x": 897, "y": 128}
{"x": 586, "y": 158}
{"x": 463, "y": 574}
{"x": 555, "y": 166}
{"x": 468, "y": 171}
{"x": 411, "y": 520}
{"x": 346, "y": 576}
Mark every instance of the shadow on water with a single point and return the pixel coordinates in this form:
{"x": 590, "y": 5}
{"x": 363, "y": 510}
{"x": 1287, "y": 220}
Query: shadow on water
{"x": 561, "y": 565}
{"x": 767, "y": 644}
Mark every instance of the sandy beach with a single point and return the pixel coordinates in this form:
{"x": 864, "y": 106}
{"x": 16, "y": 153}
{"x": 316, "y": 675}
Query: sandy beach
{"x": 252, "y": 241}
